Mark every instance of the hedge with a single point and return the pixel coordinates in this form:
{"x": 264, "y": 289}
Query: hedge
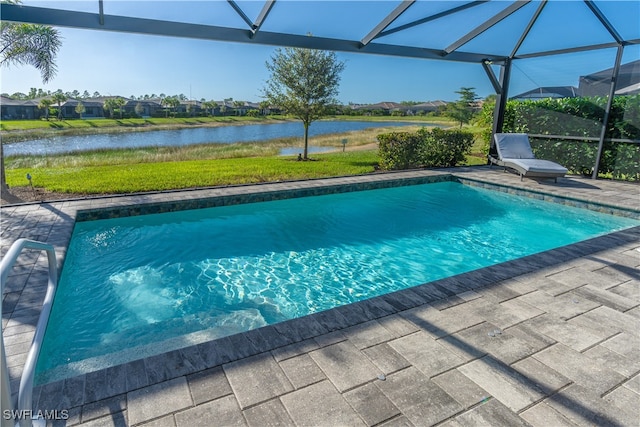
{"x": 425, "y": 148}
{"x": 579, "y": 117}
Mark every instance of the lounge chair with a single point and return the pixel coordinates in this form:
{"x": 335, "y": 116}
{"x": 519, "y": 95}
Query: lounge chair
{"x": 514, "y": 152}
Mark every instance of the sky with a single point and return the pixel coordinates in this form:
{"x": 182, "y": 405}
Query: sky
{"x": 132, "y": 64}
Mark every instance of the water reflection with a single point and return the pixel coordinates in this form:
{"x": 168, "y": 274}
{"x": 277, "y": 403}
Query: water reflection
{"x": 202, "y": 135}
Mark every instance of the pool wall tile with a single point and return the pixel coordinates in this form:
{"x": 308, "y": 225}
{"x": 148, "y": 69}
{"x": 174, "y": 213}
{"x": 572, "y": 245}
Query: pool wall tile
{"x": 250, "y": 197}
{"x": 593, "y": 205}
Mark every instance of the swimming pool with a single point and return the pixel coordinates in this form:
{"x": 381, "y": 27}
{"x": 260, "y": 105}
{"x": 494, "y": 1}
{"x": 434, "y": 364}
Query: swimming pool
{"x": 137, "y": 285}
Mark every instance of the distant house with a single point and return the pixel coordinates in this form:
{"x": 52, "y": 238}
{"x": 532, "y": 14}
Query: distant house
{"x": 554, "y": 92}
{"x": 192, "y": 106}
{"x": 147, "y": 107}
{"x": 92, "y": 108}
{"x": 427, "y": 107}
{"x": 382, "y": 107}
{"x": 391, "y": 107}
{"x": 15, "y": 109}
{"x": 599, "y": 84}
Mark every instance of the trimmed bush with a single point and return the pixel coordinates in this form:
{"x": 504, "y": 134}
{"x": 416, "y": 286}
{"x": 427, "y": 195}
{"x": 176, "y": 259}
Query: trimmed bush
{"x": 444, "y": 148}
{"x": 425, "y": 148}
{"x": 399, "y": 150}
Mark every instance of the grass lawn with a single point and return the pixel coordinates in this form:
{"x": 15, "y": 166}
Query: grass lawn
{"x": 139, "y": 177}
{"x": 204, "y": 165}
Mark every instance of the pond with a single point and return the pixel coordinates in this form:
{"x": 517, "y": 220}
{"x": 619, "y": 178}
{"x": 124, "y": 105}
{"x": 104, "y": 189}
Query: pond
{"x": 201, "y": 135}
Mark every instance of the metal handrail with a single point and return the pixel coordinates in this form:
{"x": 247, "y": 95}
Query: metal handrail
{"x": 25, "y": 393}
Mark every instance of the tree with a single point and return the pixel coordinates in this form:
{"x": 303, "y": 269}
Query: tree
{"x": 59, "y": 98}
{"x": 264, "y": 107}
{"x": 172, "y": 102}
{"x": 119, "y": 103}
{"x": 303, "y": 83}
{"x": 109, "y": 105}
{"x": 139, "y": 109}
{"x": 27, "y": 44}
{"x": 80, "y": 109}
{"x": 209, "y": 105}
{"x": 30, "y": 44}
{"x": 463, "y": 109}
{"x": 237, "y": 105}
{"x": 44, "y": 104}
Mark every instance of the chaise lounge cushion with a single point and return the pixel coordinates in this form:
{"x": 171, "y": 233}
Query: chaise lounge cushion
{"x": 514, "y": 151}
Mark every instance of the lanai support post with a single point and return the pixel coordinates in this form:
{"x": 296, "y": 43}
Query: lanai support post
{"x": 607, "y": 112}
{"x": 501, "y": 103}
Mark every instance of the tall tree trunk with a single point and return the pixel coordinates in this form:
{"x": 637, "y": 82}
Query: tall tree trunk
{"x": 306, "y": 140}
{"x": 3, "y": 178}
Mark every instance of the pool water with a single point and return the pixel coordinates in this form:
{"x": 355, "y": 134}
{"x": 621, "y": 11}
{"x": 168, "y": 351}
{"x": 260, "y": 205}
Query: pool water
{"x": 183, "y": 277}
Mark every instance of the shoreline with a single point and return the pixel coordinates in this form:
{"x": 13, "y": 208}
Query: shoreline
{"x": 22, "y": 135}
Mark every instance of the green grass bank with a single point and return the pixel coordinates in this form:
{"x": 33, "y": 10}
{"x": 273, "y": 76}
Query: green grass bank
{"x": 203, "y": 165}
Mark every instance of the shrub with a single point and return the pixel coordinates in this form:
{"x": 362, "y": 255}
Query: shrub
{"x": 444, "y": 148}
{"x": 426, "y": 148}
{"x": 399, "y": 150}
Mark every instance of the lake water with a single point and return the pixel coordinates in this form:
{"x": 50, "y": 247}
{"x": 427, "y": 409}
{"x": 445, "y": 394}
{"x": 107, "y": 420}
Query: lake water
{"x": 201, "y": 135}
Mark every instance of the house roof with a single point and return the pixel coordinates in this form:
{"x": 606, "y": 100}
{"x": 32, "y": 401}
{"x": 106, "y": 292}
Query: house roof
{"x": 549, "y": 92}
{"x": 17, "y": 102}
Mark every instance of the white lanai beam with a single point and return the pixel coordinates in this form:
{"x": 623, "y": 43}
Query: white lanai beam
{"x": 240, "y": 12}
{"x": 486, "y": 25}
{"x": 524, "y": 35}
{"x": 432, "y": 17}
{"x": 399, "y": 10}
{"x": 262, "y": 16}
{"x": 89, "y": 21}
{"x": 101, "y": 12}
{"x": 604, "y": 21}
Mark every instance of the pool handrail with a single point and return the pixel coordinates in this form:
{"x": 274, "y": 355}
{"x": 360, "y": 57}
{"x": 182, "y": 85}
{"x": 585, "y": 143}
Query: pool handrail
{"x": 25, "y": 393}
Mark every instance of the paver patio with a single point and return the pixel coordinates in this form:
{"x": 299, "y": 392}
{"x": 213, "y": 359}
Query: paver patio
{"x": 550, "y": 339}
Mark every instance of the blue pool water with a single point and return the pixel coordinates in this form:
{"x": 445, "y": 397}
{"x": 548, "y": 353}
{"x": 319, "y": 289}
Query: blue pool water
{"x": 174, "y": 279}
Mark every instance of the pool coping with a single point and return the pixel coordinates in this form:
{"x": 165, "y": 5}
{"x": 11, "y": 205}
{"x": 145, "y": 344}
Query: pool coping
{"x": 116, "y": 380}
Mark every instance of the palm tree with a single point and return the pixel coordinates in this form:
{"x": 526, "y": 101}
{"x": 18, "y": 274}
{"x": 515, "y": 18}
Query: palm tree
{"x": 110, "y": 106}
{"x": 210, "y": 105}
{"x": 27, "y": 44}
{"x": 120, "y": 102}
{"x": 237, "y": 105}
{"x": 59, "y": 98}
{"x": 164, "y": 101}
{"x": 44, "y": 104}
